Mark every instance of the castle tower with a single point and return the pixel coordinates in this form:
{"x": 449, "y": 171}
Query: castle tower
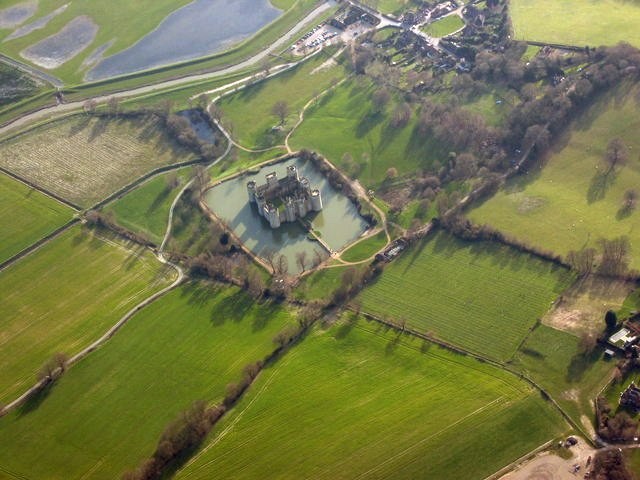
{"x": 316, "y": 200}
{"x": 306, "y": 186}
{"x": 292, "y": 172}
{"x": 251, "y": 190}
{"x": 273, "y": 216}
{"x": 272, "y": 179}
{"x": 290, "y": 210}
{"x": 261, "y": 203}
{"x": 302, "y": 207}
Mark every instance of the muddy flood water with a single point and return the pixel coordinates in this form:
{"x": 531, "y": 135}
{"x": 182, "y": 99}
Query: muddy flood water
{"x": 200, "y": 28}
{"x": 338, "y": 223}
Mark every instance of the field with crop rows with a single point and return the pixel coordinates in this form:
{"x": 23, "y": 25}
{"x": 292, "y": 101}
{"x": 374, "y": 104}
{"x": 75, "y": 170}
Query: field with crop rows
{"x": 571, "y": 202}
{"x": 479, "y": 296}
{"x": 355, "y": 401}
{"x": 26, "y": 215}
{"x": 65, "y": 295}
{"x": 576, "y": 22}
{"x": 107, "y": 413}
{"x": 84, "y": 159}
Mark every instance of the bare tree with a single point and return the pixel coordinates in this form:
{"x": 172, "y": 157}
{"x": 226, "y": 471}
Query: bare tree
{"x": 301, "y": 260}
{"x": 113, "y": 106}
{"x": 617, "y": 154}
{"x": 202, "y": 101}
{"x": 630, "y": 200}
{"x": 89, "y": 106}
{"x": 282, "y": 265}
{"x": 615, "y": 255}
{"x": 280, "y": 109}
{"x": 270, "y": 256}
{"x": 255, "y": 284}
{"x": 380, "y": 98}
{"x": 582, "y": 261}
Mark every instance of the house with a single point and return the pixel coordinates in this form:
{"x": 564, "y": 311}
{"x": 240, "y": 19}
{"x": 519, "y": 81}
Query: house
{"x": 630, "y": 398}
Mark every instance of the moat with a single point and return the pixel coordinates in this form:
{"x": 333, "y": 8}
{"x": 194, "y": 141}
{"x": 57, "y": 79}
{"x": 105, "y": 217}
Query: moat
{"x": 338, "y": 223}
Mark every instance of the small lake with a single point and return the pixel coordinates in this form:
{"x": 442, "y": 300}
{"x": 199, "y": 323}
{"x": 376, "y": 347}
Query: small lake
{"x": 198, "y": 29}
{"x": 200, "y": 125}
{"x": 338, "y": 223}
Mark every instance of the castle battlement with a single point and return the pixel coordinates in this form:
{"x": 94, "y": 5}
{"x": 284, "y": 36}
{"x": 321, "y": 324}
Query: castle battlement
{"x": 285, "y": 199}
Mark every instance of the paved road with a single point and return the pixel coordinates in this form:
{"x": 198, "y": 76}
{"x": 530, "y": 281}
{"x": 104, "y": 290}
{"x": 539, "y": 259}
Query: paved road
{"x": 69, "y": 107}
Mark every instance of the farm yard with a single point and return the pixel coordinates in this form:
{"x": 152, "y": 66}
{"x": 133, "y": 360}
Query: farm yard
{"x": 572, "y": 201}
{"x": 185, "y": 347}
{"x": 479, "y": 296}
{"x": 575, "y": 22}
{"x": 84, "y": 159}
{"x": 341, "y": 378}
{"x": 559, "y": 364}
{"x": 64, "y": 296}
{"x": 26, "y": 216}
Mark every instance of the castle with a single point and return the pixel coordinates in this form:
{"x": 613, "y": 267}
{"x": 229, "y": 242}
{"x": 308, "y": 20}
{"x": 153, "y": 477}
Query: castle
{"x": 294, "y": 193}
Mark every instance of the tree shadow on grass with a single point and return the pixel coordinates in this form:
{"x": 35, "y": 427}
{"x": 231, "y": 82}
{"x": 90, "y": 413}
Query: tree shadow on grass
{"x": 346, "y": 326}
{"x": 368, "y": 122}
{"x": 581, "y": 363}
{"x": 79, "y": 126}
{"x": 233, "y": 307}
{"x": 159, "y": 199}
{"x": 34, "y": 400}
{"x": 600, "y": 184}
{"x": 98, "y": 129}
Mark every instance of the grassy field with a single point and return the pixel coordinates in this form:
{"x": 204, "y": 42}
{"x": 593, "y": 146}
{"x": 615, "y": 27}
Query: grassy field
{"x": 395, "y": 6}
{"x": 570, "y": 202}
{"x": 344, "y": 122}
{"x": 239, "y": 160}
{"x": 365, "y": 249}
{"x": 84, "y": 159}
{"x": 479, "y": 296}
{"x": 356, "y": 401}
{"x": 554, "y": 360}
{"x": 65, "y": 295}
{"x": 26, "y": 215}
{"x": 444, "y": 26}
{"x": 248, "y": 113}
{"x": 576, "y": 22}
{"x": 16, "y": 85}
{"x": 186, "y": 346}
{"x": 146, "y": 209}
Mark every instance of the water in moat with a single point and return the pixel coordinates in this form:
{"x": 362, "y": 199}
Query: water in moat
{"x": 198, "y": 29}
{"x": 339, "y": 223}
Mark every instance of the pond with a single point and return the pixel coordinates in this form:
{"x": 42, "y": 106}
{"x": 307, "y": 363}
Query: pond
{"x": 198, "y": 29}
{"x": 339, "y": 223}
{"x": 200, "y": 125}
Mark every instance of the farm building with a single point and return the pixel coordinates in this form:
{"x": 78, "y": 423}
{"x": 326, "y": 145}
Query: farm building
{"x": 622, "y": 339}
{"x": 630, "y": 398}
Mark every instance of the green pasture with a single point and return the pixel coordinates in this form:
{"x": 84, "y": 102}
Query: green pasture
{"x": 395, "y": 7}
{"x": 239, "y": 160}
{"x": 26, "y": 215}
{"x": 571, "y": 202}
{"x": 444, "y": 26}
{"x": 146, "y": 209}
{"x": 344, "y": 121}
{"x": 366, "y": 248}
{"x": 356, "y": 401}
{"x": 555, "y": 361}
{"x": 66, "y": 295}
{"x": 479, "y": 296}
{"x": 576, "y": 22}
{"x": 248, "y": 113}
{"x": 106, "y": 414}
{"x": 84, "y": 159}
